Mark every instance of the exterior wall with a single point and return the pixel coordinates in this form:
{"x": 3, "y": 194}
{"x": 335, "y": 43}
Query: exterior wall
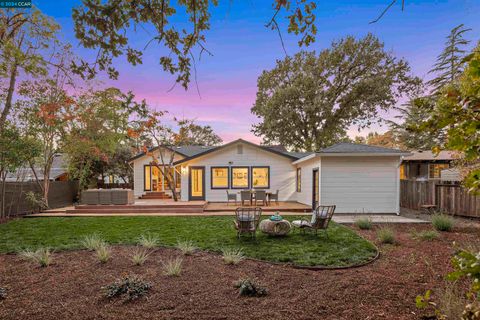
{"x": 282, "y": 172}
{"x": 452, "y": 174}
{"x": 361, "y": 184}
{"x": 306, "y": 193}
{"x": 138, "y": 175}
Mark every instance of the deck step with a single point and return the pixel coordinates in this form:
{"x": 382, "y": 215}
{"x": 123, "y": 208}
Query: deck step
{"x": 139, "y": 206}
{"x": 137, "y": 210}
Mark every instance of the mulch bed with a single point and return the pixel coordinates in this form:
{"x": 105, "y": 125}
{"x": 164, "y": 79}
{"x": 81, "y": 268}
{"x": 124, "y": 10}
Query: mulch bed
{"x": 385, "y": 289}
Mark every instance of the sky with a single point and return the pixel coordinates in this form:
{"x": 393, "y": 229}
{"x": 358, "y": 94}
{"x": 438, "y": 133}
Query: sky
{"x": 243, "y": 47}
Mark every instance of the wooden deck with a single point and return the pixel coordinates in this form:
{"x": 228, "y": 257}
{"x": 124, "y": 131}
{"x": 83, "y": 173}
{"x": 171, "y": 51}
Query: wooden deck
{"x": 289, "y": 206}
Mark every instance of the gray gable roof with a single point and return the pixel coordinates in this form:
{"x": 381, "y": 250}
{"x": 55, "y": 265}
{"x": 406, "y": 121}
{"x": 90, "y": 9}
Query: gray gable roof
{"x": 190, "y": 151}
{"x": 346, "y": 147}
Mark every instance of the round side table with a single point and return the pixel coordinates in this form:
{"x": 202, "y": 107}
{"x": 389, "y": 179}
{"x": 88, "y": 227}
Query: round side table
{"x": 275, "y": 228}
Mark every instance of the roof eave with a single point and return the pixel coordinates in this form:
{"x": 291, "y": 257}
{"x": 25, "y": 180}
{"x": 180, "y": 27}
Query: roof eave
{"x": 363, "y": 154}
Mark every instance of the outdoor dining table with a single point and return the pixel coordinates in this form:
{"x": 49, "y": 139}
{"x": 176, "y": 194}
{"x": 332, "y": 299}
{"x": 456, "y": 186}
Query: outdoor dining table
{"x": 252, "y": 196}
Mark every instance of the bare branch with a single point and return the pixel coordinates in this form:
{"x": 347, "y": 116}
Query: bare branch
{"x": 385, "y": 11}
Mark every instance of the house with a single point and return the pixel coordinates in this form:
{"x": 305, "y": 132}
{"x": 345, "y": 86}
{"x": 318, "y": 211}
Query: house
{"x": 356, "y": 178}
{"x": 426, "y": 165}
{"x": 58, "y": 171}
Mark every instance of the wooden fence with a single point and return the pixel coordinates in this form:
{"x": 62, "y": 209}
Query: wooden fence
{"x": 61, "y": 194}
{"x": 449, "y": 197}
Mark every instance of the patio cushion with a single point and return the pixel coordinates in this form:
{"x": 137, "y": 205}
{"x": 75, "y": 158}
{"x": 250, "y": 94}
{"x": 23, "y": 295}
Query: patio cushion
{"x": 301, "y": 223}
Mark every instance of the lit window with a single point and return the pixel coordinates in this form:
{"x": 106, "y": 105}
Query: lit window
{"x": 403, "y": 175}
{"x": 299, "y": 179}
{"x": 435, "y": 170}
{"x": 240, "y": 178}
{"x": 261, "y": 177}
{"x": 147, "y": 178}
{"x": 219, "y": 177}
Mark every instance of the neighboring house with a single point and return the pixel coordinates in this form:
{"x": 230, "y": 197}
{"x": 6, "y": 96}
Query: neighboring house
{"x": 425, "y": 165}
{"x": 58, "y": 172}
{"x": 356, "y": 178}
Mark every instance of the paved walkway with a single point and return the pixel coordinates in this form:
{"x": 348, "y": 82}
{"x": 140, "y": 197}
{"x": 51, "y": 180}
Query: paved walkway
{"x": 340, "y": 218}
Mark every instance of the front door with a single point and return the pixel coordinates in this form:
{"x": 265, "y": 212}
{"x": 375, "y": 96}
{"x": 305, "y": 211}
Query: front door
{"x": 315, "y": 189}
{"x": 196, "y": 183}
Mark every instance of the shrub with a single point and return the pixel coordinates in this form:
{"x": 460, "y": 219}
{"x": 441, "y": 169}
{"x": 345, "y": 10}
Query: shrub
{"x": 148, "y": 241}
{"x": 103, "y": 253}
{"x": 386, "y": 235}
{"x": 187, "y": 247}
{"x": 3, "y": 293}
{"x": 442, "y": 222}
{"x": 251, "y": 288}
{"x": 173, "y": 267}
{"x": 139, "y": 256}
{"x": 427, "y": 235}
{"x": 132, "y": 287}
{"x": 364, "y": 223}
{"x": 92, "y": 242}
{"x": 42, "y": 256}
{"x": 232, "y": 255}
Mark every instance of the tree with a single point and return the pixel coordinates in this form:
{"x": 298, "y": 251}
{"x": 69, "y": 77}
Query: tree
{"x": 98, "y": 127}
{"x": 450, "y": 62}
{"x": 190, "y": 133}
{"x": 387, "y": 140}
{"x": 105, "y": 26}
{"x": 308, "y": 101}
{"x": 457, "y": 112}
{"x": 25, "y": 35}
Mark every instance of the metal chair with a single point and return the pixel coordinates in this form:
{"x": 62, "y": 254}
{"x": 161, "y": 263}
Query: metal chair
{"x": 319, "y": 220}
{"x": 247, "y": 220}
{"x": 261, "y": 195}
{"x": 245, "y": 195}
{"x": 274, "y": 196}
{"x": 231, "y": 196}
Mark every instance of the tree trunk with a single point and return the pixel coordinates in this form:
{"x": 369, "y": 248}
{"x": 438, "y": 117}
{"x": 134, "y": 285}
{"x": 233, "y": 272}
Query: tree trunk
{"x": 8, "y": 100}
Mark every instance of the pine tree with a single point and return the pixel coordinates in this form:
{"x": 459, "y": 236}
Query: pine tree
{"x": 450, "y": 63}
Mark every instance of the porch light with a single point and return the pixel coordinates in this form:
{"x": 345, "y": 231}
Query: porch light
{"x": 184, "y": 169}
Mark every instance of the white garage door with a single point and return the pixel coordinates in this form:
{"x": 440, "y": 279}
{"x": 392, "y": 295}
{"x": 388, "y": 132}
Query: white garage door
{"x": 360, "y": 184}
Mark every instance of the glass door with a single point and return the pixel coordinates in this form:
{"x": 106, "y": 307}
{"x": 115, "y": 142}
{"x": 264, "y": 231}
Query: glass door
{"x": 197, "y": 183}
{"x": 157, "y": 179}
{"x": 315, "y": 189}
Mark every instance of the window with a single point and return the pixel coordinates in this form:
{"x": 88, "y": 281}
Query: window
{"x": 219, "y": 177}
{"x": 299, "y": 179}
{"x": 261, "y": 177}
{"x": 147, "y": 178}
{"x": 178, "y": 177}
{"x": 435, "y": 169}
{"x": 240, "y": 178}
{"x": 403, "y": 173}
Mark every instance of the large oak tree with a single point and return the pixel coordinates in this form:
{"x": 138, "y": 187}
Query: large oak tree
{"x": 308, "y": 101}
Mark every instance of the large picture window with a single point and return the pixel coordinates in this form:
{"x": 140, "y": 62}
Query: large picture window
{"x": 147, "y": 178}
{"x": 240, "y": 178}
{"x": 261, "y": 177}
{"x": 299, "y": 179}
{"x": 219, "y": 177}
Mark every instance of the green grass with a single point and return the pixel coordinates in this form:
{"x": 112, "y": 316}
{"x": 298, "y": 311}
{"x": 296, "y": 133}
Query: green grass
{"x": 343, "y": 247}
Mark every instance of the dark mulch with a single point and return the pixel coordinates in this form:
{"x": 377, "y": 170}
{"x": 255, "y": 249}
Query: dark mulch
{"x": 385, "y": 289}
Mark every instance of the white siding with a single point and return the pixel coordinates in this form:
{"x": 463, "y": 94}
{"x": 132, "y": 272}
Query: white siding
{"x": 138, "y": 175}
{"x": 305, "y": 195}
{"x": 282, "y": 172}
{"x": 360, "y": 184}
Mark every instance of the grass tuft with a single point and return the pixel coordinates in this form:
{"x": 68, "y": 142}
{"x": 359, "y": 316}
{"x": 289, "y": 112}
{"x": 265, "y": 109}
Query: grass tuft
{"x": 426, "y": 235}
{"x": 232, "y": 255}
{"x": 132, "y": 287}
{"x": 140, "y": 255}
{"x": 364, "y": 223}
{"x": 386, "y": 235}
{"x": 250, "y": 288}
{"x": 148, "y": 241}
{"x": 92, "y": 242}
{"x": 173, "y": 267}
{"x": 186, "y": 247}
{"x": 41, "y": 256}
{"x": 103, "y": 253}
{"x": 442, "y": 222}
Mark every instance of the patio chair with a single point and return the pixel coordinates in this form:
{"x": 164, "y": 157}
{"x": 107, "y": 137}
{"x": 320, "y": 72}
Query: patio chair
{"x": 273, "y": 196}
{"x": 261, "y": 195}
{"x": 231, "y": 196}
{"x": 245, "y": 195}
{"x": 247, "y": 220}
{"x": 320, "y": 219}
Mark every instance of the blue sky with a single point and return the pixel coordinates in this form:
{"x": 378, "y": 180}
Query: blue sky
{"x": 243, "y": 47}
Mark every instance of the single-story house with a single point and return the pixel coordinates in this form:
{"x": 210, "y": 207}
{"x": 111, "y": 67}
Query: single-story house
{"x": 426, "y": 165}
{"x": 356, "y": 178}
{"x": 58, "y": 171}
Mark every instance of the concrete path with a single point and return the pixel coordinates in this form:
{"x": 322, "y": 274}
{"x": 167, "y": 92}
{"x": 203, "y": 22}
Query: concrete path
{"x": 380, "y": 218}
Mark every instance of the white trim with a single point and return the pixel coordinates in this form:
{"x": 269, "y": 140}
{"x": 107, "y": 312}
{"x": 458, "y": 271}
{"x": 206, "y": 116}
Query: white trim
{"x": 364, "y": 154}
{"x": 306, "y": 158}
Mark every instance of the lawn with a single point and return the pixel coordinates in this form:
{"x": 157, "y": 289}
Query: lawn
{"x": 343, "y": 246}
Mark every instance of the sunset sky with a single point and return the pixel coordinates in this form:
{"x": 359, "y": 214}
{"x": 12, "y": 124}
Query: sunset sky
{"x": 243, "y": 47}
